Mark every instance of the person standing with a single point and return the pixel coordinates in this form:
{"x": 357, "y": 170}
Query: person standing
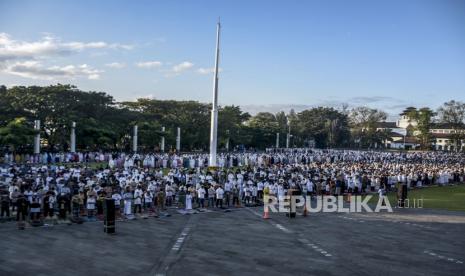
{"x": 219, "y": 197}
{"x": 227, "y": 192}
{"x": 189, "y": 201}
{"x": 49, "y": 202}
{"x": 21, "y": 214}
{"x": 138, "y": 200}
{"x": 76, "y": 202}
{"x": 161, "y": 200}
{"x": 254, "y": 194}
{"x": 260, "y": 187}
{"x": 148, "y": 198}
{"x": 91, "y": 202}
{"x": 128, "y": 197}
{"x": 211, "y": 197}
{"x": 182, "y": 197}
{"x": 235, "y": 193}
{"x": 201, "y": 195}
{"x": 5, "y": 204}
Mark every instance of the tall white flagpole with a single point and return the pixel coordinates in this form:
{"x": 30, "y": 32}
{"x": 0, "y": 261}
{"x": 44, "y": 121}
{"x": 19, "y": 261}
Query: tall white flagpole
{"x": 214, "y": 118}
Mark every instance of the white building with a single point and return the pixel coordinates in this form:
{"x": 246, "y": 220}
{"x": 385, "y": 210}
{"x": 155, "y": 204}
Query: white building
{"x": 403, "y": 134}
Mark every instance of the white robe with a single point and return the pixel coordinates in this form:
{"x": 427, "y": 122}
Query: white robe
{"x": 188, "y": 202}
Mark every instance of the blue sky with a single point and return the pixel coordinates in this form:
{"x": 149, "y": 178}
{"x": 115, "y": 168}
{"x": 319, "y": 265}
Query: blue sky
{"x": 274, "y": 54}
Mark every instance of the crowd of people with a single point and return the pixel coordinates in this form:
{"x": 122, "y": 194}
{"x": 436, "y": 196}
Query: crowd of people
{"x": 76, "y": 185}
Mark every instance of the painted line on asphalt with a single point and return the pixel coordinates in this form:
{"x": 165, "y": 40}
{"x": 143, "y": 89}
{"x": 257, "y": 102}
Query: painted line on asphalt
{"x": 317, "y": 248}
{"x": 177, "y": 245}
{"x": 254, "y": 212}
{"x": 391, "y": 221}
{"x": 439, "y": 256}
{"x": 174, "y": 252}
{"x": 353, "y": 219}
{"x": 280, "y": 227}
{"x": 412, "y": 224}
{"x": 305, "y": 241}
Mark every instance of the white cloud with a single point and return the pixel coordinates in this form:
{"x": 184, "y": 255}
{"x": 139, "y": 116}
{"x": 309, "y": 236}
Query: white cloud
{"x": 149, "y": 64}
{"x": 207, "y": 71}
{"x": 24, "y": 58}
{"x": 179, "y": 68}
{"x": 47, "y": 46}
{"x": 35, "y": 70}
{"x": 116, "y": 65}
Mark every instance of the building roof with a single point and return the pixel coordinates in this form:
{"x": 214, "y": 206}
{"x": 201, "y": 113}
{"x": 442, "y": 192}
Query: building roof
{"x": 386, "y": 125}
{"x": 411, "y": 140}
{"x": 443, "y": 126}
{"x": 408, "y": 140}
{"x": 442, "y": 135}
{"x": 408, "y": 110}
{"x": 395, "y": 134}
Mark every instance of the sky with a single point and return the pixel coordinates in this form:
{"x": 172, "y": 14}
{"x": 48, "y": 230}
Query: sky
{"x": 274, "y": 55}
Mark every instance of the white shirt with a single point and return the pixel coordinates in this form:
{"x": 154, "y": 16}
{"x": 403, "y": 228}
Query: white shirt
{"x": 117, "y": 199}
{"x": 201, "y": 193}
{"x": 219, "y": 193}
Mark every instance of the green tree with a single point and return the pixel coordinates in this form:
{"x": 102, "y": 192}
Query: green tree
{"x": 363, "y": 121}
{"x": 424, "y": 119}
{"x": 453, "y": 113}
{"x": 262, "y": 128}
{"x": 17, "y": 134}
{"x": 231, "y": 121}
{"x": 327, "y": 126}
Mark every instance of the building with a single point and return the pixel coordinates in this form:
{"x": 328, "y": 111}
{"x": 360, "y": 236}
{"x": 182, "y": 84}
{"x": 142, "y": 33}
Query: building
{"x": 404, "y": 136}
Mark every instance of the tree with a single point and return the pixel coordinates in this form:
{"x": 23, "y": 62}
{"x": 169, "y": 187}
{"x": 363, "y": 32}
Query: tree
{"x": 453, "y": 113}
{"x": 424, "y": 119}
{"x": 263, "y": 128}
{"x": 17, "y": 134}
{"x": 231, "y": 121}
{"x": 327, "y": 126}
{"x": 100, "y": 121}
{"x": 364, "y": 122}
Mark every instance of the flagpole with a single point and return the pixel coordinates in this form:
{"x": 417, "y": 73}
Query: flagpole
{"x": 214, "y": 116}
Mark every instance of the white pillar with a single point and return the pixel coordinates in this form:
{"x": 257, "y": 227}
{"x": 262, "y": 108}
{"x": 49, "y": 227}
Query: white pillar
{"x": 178, "y": 140}
{"x": 134, "y": 139}
{"x": 227, "y": 140}
{"x": 162, "y": 146}
{"x": 37, "y": 137}
{"x": 277, "y": 140}
{"x": 288, "y": 136}
{"x": 73, "y": 137}
{"x": 214, "y": 117}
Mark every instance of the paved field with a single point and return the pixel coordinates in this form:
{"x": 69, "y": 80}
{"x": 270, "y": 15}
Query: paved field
{"x": 240, "y": 242}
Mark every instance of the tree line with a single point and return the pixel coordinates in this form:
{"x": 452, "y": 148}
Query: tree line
{"x": 105, "y": 124}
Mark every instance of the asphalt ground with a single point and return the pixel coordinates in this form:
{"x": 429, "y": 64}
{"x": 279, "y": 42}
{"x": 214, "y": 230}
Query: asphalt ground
{"x": 241, "y": 242}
